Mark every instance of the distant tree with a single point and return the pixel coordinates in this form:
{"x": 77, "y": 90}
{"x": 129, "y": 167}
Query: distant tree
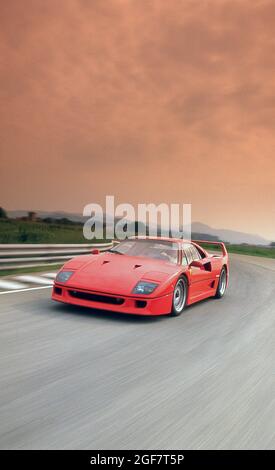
{"x": 272, "y": 244}
{"x": 48, "y": 220}
{"x": 32, "y": 216}
{"x": 65, "y": 221}
{"x": 3, "y": 214}
{"x": 59, "y": 221}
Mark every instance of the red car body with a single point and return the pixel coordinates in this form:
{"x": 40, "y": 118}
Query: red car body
{"x": 106, "y": 281}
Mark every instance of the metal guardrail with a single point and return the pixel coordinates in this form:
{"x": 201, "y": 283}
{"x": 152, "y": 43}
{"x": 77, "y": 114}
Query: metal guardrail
{"x": 34, "y": 255}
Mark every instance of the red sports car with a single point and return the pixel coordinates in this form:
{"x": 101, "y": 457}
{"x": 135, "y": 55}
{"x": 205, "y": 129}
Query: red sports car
{"x": 145, "y": 276}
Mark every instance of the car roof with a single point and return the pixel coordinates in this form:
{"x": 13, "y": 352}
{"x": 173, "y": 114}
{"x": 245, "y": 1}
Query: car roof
{"x": 167, "y": 239}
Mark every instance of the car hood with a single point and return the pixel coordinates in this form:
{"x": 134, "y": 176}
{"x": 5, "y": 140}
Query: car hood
{"x": 117, "y": 274}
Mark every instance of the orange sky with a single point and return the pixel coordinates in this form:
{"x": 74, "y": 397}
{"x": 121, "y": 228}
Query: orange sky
{"x": 152, "y": 101}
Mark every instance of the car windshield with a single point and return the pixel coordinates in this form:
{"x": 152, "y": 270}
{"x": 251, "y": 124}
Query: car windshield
{"x": 156, "y": 249}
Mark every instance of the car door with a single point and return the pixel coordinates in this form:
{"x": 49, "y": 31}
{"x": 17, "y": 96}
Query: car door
{"x": 201, "y": 278}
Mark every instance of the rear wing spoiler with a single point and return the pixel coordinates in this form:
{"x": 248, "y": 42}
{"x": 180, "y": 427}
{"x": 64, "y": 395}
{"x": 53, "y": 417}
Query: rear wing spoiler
{"x": 209, "y": 242}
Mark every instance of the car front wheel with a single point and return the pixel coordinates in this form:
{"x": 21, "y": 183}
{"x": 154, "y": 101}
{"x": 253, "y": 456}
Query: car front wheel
{"x": 179, "y": 297}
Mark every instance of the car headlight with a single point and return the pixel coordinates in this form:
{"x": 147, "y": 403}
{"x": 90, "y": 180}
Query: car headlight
{"x": 144, "y": 287}
{"x": 64, "y": 276}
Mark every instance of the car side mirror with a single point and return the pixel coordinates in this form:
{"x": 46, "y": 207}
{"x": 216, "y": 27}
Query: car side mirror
{"x": 197, "y": 264}
{"x": 95, "y": 251}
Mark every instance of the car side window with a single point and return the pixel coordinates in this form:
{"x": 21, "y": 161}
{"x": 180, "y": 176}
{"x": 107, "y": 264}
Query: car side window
{"x": 184, "y": 260}
{"x": 188, "y": 253}
{"x": 195, "y": 254}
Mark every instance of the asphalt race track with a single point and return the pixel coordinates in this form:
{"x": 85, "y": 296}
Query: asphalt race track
{"x": 71, "y": 378}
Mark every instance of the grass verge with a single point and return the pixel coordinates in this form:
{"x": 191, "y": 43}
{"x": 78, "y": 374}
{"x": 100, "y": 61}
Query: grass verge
{"x": 19, "y": 231}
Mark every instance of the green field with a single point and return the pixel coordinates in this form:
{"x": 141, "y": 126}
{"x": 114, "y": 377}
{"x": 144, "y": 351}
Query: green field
{"x": 266, "y": 252}
{"x": 251, "y": 250}
{"x": 17, "y": 231}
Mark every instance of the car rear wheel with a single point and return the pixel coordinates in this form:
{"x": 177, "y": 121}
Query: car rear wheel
{"x": 222, "y": 284}
{"x": 179, "y": 297}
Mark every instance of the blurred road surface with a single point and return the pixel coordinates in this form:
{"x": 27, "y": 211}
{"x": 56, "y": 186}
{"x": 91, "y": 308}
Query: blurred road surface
{"x": 71, "y": 378}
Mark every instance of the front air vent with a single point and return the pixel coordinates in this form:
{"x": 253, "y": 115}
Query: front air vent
{"x": 106, "y": 299}
{"x": 141, "y": 303}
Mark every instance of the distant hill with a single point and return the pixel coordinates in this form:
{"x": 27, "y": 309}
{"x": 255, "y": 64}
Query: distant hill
{"x": 199, "y": 230}
{"x": 230, "y": 236}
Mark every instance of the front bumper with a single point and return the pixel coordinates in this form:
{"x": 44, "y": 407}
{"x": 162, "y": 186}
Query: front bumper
{"x": 100, "y": 300}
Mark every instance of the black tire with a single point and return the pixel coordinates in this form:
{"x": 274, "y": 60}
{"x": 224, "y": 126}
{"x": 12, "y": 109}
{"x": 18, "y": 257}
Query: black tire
{"x": 179, "y": 297}
{"x": 222, "y": 284}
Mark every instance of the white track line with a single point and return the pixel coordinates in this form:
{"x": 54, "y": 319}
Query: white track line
{"x": 7, "y": 284}
{"x": 24, "y": 290}
{"x": 34, "y": 279}
{"x": 50, "y": 275}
